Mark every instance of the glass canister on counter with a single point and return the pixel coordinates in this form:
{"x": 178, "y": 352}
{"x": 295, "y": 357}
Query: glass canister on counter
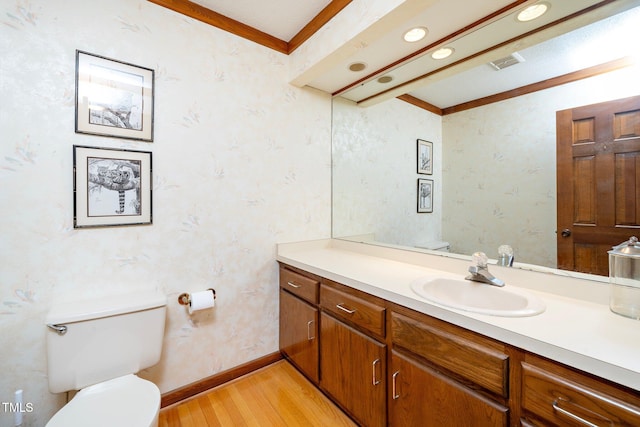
{"x": 624, "y": 276}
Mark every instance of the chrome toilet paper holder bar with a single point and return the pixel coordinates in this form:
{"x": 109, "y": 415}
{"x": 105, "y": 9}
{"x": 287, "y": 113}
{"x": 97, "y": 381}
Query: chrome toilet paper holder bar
{"x": 185, "y": 298}
{"x": 60, "y": 329}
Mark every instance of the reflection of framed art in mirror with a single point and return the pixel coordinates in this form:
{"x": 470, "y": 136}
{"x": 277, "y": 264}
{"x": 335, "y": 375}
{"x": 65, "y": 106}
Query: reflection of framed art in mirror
{"x": 425, "y": 195}
{"x": 425, "y": 157}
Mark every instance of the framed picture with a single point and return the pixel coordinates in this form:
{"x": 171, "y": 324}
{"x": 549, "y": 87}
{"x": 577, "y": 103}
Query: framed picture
{"x": 111, "y": 187}
{"x": 425, "y": 195}
{"x": 113, "y": 98}
{"x": 425, "y": 157}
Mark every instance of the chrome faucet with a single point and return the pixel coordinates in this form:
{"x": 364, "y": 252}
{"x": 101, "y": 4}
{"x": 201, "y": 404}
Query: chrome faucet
{"x": 480, "y": 272}
{"x": 505, "y": 256}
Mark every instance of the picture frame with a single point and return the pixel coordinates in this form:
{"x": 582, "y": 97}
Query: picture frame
{"x": 425, "y": 157}
{"x": 111, "y": 187}
{"x": 113, "y": 98}
{"x": 425, "y": 195}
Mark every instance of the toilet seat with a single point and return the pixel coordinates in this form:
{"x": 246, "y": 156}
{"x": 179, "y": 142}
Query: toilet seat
{"x": 124, "y": 401}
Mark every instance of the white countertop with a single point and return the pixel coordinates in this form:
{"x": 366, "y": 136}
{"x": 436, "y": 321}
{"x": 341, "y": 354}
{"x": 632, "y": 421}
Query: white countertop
{"x": 577, "y": 328}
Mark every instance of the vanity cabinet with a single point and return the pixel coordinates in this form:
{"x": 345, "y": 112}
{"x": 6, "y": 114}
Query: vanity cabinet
{"x": 553, "y": 394}
{"x": 352, "y": 359}
{"x": 299, "y": 321}
{"x": 388, "y": 365}
{"x": 441, "y": 373}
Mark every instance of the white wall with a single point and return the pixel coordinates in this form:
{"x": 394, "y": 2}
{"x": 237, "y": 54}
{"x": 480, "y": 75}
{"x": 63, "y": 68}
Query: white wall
{"x": 241, "y": 161}
{"x": 375, "y": 171}
{"x": 500, "y": 168}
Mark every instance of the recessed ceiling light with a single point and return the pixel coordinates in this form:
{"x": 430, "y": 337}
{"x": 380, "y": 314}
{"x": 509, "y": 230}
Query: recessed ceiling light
{"x": 415, "y": 34}
{"x": 443, "y": 52}
{"x": 532, "y": 12}
{"x": 385, "y": 79}
{"x": 357, "y": 66}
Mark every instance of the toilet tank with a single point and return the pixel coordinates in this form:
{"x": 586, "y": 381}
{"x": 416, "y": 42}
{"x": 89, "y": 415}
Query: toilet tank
{"x": 105, "y": 338}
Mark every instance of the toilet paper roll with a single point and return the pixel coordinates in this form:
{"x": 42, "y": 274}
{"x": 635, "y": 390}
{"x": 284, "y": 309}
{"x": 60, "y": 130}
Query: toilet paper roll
{"x": 201, "y": 300}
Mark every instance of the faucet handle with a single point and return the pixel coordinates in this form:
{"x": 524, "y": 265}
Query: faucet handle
{"x": 479, "y": 259}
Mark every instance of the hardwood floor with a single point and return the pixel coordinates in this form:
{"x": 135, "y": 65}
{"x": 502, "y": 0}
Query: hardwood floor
{"x": 277, "y": 395}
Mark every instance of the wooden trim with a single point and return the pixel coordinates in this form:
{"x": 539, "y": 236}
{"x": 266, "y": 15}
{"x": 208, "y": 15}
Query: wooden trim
{"x": 420, "y": 103}
{"x": 331, "y": 10}
{"x": 190, "y": 390}
{"x": 542, "y": 85}
{"x": 586, "y": 73}
{"x": 210, "y": 17}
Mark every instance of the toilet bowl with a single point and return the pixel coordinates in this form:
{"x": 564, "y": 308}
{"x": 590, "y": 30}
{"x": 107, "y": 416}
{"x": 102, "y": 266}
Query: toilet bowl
{"x": 97, "y": 347}
{"x": 124, "y": 401}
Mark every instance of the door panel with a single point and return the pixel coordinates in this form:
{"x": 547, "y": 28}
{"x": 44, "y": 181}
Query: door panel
{"x": 598, "y": 182}
{"x": 627, "y": 176}
{"x": 584, "y": 189}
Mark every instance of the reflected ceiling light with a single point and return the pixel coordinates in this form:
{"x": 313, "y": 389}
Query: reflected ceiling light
{"x": 415, "y": 34}
{"x": 443, "y": 52}
{"x": 357, "y": 66}
{"x": 532, "y": 12}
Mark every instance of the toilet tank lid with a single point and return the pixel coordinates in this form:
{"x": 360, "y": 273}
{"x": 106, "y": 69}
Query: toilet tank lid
{"x": 105, "y": 306}
{"x": 433, "y": 244}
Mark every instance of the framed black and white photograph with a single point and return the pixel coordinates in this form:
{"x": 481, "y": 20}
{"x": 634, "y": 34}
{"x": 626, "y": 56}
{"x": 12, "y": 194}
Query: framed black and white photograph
{"x": 113, "y": 98}
{"x": 425, "y": 195}
{"x": 425, "y": 157}
{"x": 111, "y": 187}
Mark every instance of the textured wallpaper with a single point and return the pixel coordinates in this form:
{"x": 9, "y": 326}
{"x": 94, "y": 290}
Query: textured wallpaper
{"x": 241, "y": 161}
{"x": 375, "y": 172}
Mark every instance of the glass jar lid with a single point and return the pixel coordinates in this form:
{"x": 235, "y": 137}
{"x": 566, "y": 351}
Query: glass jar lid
{"x": 629, "y": 248}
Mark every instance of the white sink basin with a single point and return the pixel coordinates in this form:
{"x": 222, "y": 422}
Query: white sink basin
{"x": 478, "y": 297}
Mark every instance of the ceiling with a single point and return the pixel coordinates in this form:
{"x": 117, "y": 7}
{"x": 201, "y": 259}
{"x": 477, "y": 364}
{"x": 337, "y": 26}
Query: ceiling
{"x": 479, "y": 31}
{"x": 280, "y": 18}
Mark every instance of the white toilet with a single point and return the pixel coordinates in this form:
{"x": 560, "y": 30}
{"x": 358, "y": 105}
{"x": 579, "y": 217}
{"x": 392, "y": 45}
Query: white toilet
{"x": 97, "y": 347}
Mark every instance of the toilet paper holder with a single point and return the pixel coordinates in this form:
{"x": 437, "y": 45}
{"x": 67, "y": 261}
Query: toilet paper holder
{"x": 185, "y": 299}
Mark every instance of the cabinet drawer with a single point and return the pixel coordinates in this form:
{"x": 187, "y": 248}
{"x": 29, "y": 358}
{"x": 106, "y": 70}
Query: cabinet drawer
{"x": 356, "y": 310}
{"x": 302, "y": 286}
{"x": 564, "y": 397}
{"x": 421, "y": 396}
{"x": 472, "y": 357}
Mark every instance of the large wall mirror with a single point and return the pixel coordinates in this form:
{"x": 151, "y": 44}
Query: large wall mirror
{"x": 493, "y": 179}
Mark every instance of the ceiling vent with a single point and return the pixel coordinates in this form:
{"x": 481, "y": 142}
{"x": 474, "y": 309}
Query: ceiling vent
{"x": 507, "y": 61}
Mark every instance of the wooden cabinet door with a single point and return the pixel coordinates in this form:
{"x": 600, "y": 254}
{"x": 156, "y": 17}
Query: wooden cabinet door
{"x": 422, "y": 397}
{"x": 353, "y": 371}
{"x": 298, "y": 334}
